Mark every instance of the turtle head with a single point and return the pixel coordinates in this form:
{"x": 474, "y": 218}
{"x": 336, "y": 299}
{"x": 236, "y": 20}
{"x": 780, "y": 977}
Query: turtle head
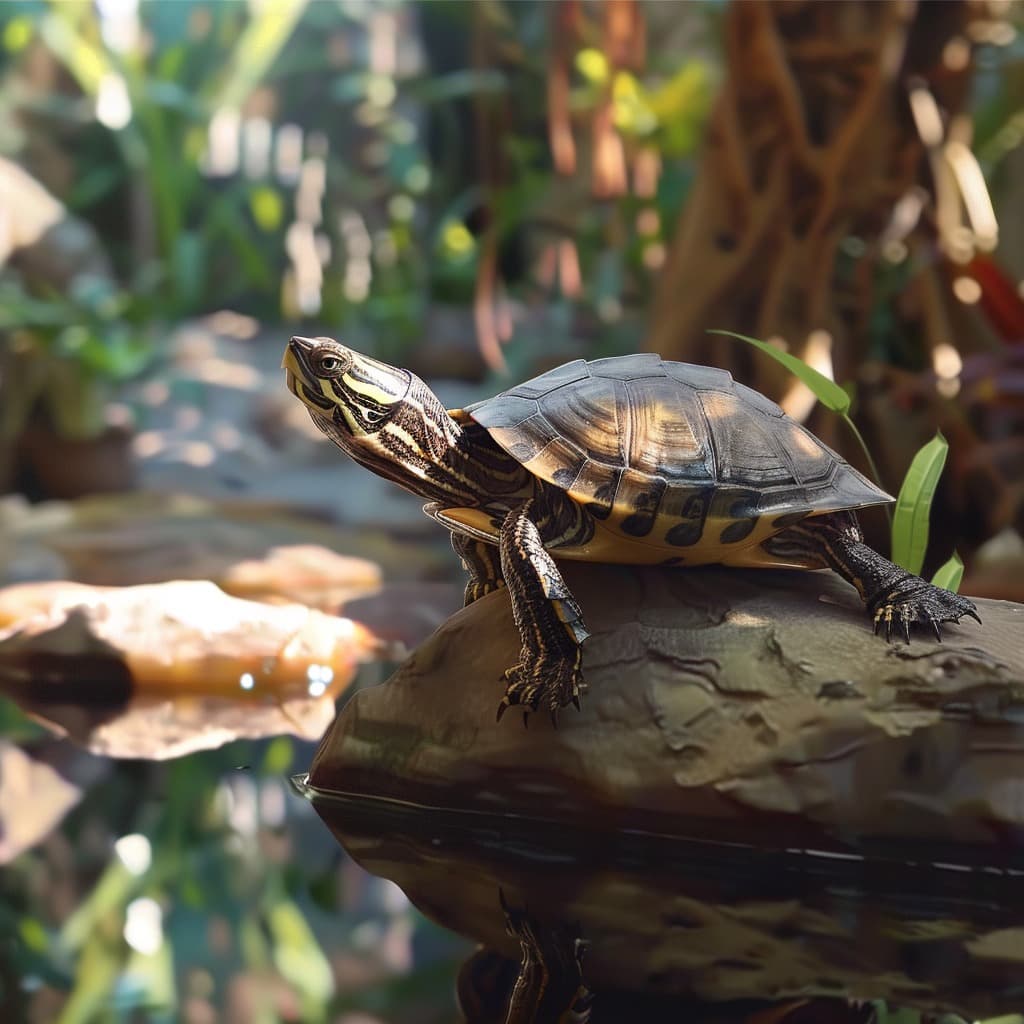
{"x": 351, "y": 397}
{"x": 384, "y": 417}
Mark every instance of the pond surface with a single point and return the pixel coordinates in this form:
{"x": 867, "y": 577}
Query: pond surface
{"x": 634, "y": 919}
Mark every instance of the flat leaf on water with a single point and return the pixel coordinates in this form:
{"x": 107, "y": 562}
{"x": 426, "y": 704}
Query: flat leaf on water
{"x": 950, "y": 574}
{"x": 914, "y": 505}
{"x": 826, "y": 390}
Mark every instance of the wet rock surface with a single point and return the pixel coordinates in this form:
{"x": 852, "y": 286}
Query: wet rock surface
{"x": 161, "y": 670}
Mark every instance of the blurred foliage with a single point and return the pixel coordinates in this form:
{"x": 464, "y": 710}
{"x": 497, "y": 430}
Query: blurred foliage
{"x": 202, "y": 889}
{"x": 68, "y": 352}
{"x": 166, "y": 131}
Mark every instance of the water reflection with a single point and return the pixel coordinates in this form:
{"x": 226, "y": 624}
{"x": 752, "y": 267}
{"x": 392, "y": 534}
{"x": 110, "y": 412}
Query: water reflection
{"x": 644, "y": 918}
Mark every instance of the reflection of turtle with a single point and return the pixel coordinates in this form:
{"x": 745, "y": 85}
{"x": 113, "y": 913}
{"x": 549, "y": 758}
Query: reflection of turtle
{"x": 633, "y": 460}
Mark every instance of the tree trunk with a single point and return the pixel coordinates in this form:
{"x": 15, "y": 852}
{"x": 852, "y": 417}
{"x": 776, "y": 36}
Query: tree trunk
{"x": 810, "y": 146}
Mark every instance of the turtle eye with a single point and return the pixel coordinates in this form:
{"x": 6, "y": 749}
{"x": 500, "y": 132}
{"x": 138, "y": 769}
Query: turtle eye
{"x": 330, "y": 365}
{"x": 374, "y": 416}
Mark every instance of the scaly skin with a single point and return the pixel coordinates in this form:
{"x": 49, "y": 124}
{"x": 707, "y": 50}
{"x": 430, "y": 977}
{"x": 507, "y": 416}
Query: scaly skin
{"x": 548, "y": 618}
{"x": 550, "y": 983}
{"x": 483, "y": 564}
{"x": 895, "y": 598}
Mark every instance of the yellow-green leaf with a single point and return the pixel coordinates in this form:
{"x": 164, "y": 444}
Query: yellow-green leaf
{"x": 592, "y": 64}
{"x": 950, "y": 574}
{"x": 914, "y": 504}
{"x": 269, "y": 27}
{"x": 267, "y": 208}
{"x": 278, "y": 758}
{"x": 18, "y": 33}
{"x": 297, "y": 954}
{"x": 827, "y": 391}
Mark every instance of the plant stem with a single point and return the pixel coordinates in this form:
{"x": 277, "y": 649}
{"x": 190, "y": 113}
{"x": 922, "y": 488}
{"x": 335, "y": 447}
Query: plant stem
{"x": 871, "y": 462}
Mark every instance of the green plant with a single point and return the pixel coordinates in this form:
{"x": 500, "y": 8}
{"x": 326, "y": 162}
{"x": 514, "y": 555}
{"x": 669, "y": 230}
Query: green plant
{"x": 66, "y": 354}
{"x": 155, "y": 101}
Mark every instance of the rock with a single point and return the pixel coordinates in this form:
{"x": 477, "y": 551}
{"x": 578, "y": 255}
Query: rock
{"x": 247, "y": 548}
{"x": 39, "y": 784}
{"x": 50, "y": 246}
{"x": 161, "y": 670}
{"x": 750, "y": 707}
{"x": 759, "y": 800}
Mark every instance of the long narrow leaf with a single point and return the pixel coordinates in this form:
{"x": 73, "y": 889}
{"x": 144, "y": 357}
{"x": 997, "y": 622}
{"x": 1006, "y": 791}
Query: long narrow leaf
{"x": 950, "y": 574}
{"x": 827, "y": 391}
{"x": 914, "y": 504}
{"x": 269, "y": 28}
{"x": 63, "y": 34}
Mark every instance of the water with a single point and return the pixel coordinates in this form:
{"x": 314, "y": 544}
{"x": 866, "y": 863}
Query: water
{"x": 669, "y": 923}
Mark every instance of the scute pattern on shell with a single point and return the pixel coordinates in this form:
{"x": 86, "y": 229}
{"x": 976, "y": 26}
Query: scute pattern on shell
{"x": 644, "y": 439}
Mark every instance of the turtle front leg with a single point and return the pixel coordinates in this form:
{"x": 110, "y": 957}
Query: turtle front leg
{"x": 549, "y": 985}
{"x": 894, "y": 597}
{"x": 548, "y": 618}
{"x": 483, "y": 563}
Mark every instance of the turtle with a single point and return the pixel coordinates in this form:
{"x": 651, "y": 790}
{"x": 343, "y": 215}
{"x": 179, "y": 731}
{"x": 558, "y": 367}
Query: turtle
{"x": 628, "y": 459}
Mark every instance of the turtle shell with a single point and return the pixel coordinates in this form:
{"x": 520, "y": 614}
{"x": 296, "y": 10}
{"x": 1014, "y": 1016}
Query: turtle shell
{"x": 675, "y": 458}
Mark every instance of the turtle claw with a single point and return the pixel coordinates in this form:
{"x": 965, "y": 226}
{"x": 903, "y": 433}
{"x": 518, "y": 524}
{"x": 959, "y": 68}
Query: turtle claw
{"x": 914, "y": 600}
{"x": 544, "y": 682}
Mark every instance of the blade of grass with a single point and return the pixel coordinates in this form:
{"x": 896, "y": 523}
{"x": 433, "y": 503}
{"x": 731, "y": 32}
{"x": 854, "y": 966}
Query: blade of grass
{"x": 950, "y": 574}
{"x": 826, "y": 390}
{"x": 913, "y": 506}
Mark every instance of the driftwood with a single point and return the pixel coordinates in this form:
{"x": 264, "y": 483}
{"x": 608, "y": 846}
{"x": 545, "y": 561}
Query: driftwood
{"x": 805, "y": 775}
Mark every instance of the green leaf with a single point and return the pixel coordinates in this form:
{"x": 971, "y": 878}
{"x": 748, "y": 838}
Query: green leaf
{"x": 950, "y": 574}
{"x": 297, "y": 954}
{"x": 267, "y": 208}
{"x": 913, "y": 506}
{"x": 827, "y": 391}
{"x": 269, "y": 27}
{"x": 95, "y": 980}
{"x": 278, "y": 758}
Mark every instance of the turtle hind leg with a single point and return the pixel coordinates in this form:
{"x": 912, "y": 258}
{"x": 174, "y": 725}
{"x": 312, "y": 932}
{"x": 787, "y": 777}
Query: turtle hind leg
{"x": 895, "y": 598}
{"x": 483, "y": 563}
{"x": 548, "y": 618}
